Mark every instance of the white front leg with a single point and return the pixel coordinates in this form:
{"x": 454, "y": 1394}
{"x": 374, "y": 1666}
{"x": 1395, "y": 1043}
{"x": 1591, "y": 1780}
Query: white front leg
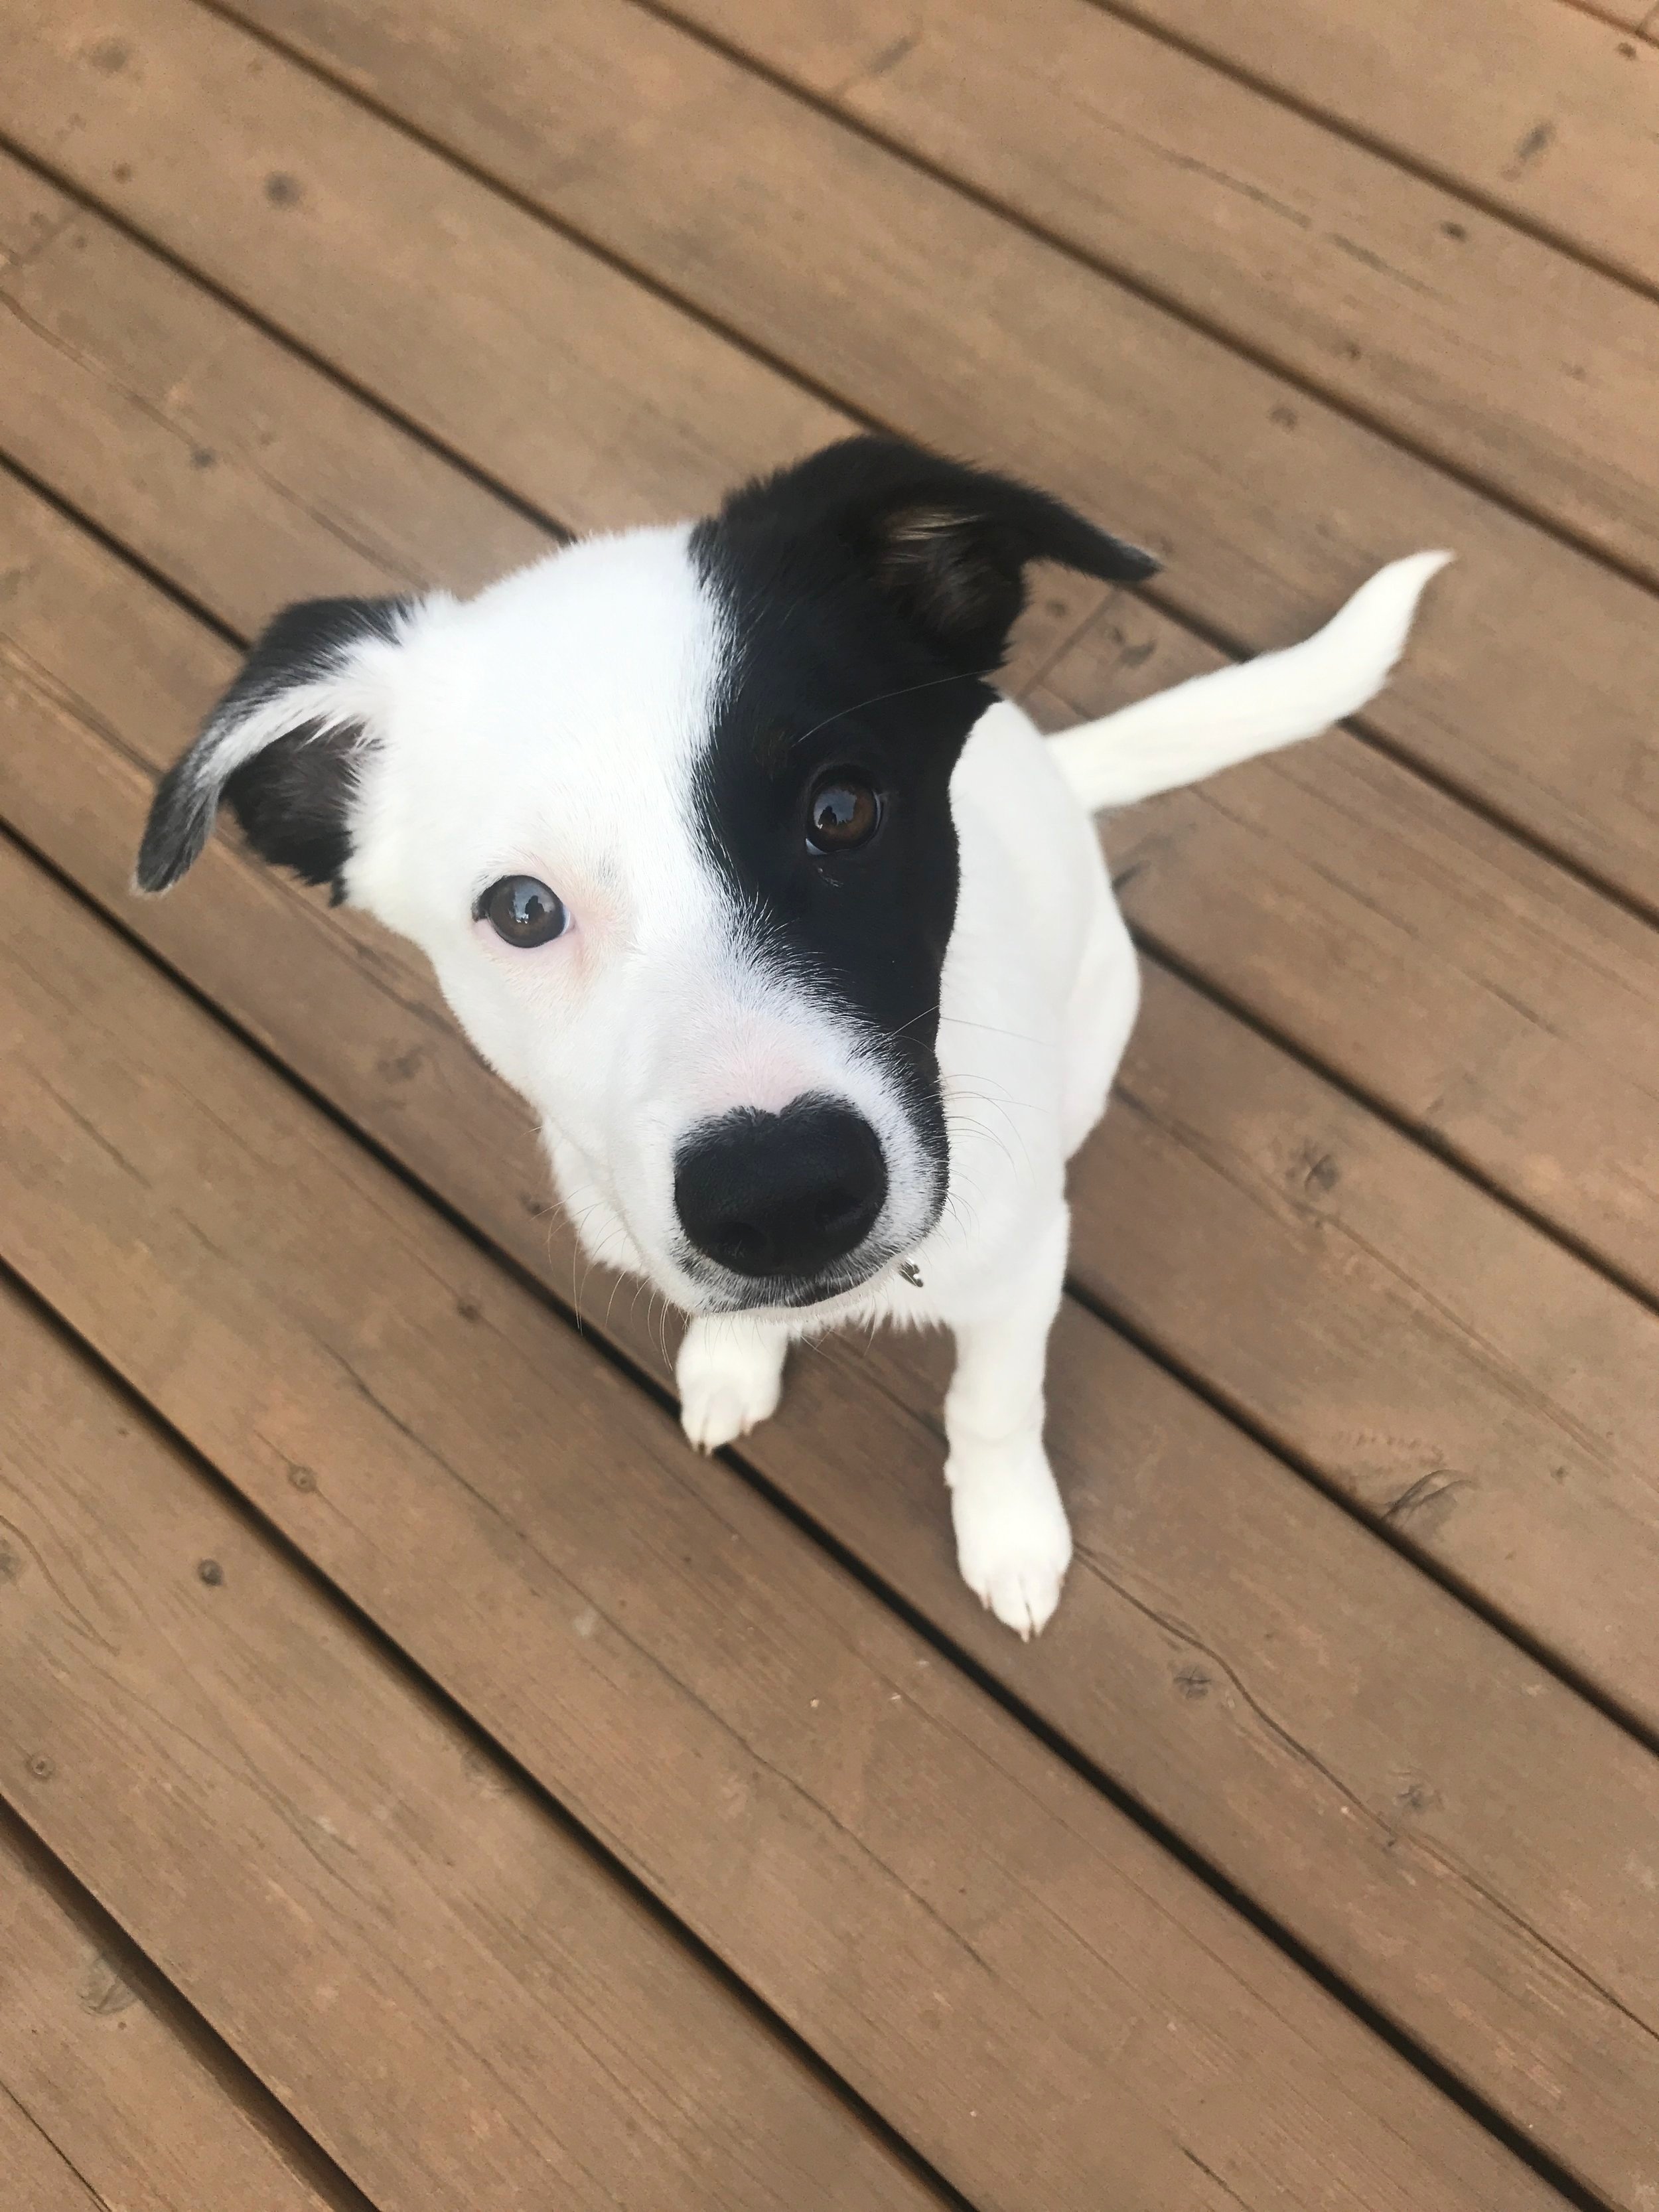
{"x": 729, "y": 1376}
{"x": 1013, "y": 1546}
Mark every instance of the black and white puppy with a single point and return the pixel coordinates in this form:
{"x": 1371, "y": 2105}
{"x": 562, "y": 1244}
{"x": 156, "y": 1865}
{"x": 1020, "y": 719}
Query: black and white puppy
{"x": 796, "y": 936}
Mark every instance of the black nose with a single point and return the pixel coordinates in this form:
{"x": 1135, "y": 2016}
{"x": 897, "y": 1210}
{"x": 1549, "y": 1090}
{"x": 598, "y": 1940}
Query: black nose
{"x": 780, "y": 1194}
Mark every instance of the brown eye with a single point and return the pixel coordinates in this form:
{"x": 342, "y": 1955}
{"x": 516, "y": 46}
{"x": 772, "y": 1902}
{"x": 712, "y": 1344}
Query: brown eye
{"x": 844, "y": 814}
{"x": 522, "y": 911}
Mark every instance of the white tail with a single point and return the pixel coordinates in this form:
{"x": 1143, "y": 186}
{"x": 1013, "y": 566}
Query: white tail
{"x": 1214, "y": 722}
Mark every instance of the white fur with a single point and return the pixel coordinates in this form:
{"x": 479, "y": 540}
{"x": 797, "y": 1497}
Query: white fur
{"x": 552, "y": 727}
{"x": 1215, "y": 721}
{"x": 1039, "y": 995}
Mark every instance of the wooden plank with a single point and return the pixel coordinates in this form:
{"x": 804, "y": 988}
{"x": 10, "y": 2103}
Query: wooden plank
{"x": 1339, "y": 1428}
{"x": 40, "y": 2176}
{"x": 241, "y": 469}
{"x": 1459, "y": 1378}
{"x": 100, "y": 2073}
{"x": 1529, "y": 684}
{"x": 589, "y": 373}
{"x": 1485, "y": 346}
{"x": 1630, "y": 14}
{"x": 430, "y": 1973}
{"x": 141, "y": 397}
{"x": 649, "y": 1635}
{"x": 1233, "y": 1648}
{"x": 1487, "y": 998}
{"x": 1484, "y": 996}
{"x": 1537, "y": 109}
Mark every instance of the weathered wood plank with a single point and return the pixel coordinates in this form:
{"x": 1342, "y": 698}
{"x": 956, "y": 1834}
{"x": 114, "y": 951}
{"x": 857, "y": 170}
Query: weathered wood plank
{"x": 1630, "y": 14}
{"x": 1529, "y": 685}
{"x": 245, "y": 473}
{"x": 1233, "y": 1648}
{"x": 1485, "y": 346}
{"x": 392, "y": 262}
{"x": 430, "y": 1973}
{"x": 205, "y": 444}
{"x": 1539, "y": 110}
{"x": 1485, "y": 997}
{"x": 40, "y": 2176}
{"x": 105, "y": 2078}
{"x": 1028, "y": 1987}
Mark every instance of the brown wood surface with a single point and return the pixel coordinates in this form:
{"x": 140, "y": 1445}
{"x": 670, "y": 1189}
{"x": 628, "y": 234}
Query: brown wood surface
{"x": 1483, "y": 995}
{"x": 139, "y": 396}
{"x": 38, "y": 2175}
{"x": 1479, "y": 343}
{"x": 1495, "y": 1421}
{"x": 317, "y": 207}
{"x": 1022, "y": 1982}
{"x": 1346, "y": 1742}
{"x": 1529, "y": 684}
{"x": 1538, "y": 109}
{"x": 1630, "y": 14}
{"x": 541, "y": 1539}
{"x": 455, "y": 2000}
{"x": 101, "y": 2075}
{"x": 245, "y": 472}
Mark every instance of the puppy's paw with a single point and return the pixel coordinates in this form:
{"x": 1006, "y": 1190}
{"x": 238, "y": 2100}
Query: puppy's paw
{"x": 1013, "y": 1543}
{"x": 730, "y": 1378}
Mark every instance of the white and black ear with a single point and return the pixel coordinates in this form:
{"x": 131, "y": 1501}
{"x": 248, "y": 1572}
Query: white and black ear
{"x": 945, "y": 544}
{"x": 280, "y": 746}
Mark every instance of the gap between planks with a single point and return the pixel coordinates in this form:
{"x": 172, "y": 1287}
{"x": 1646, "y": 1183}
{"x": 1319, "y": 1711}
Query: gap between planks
{"x": 1573, "y": 799}
{"x": 148, "y": 2105}
{"x": 811, "y": 1418}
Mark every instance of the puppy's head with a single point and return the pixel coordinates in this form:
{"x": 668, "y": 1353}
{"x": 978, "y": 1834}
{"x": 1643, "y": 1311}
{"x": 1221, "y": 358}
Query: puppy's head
{"x": 670, "y": 814}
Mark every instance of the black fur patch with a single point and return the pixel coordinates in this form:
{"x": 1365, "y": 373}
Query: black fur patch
{"x": 291, "y": 798}
{"x": 869, "y": 592}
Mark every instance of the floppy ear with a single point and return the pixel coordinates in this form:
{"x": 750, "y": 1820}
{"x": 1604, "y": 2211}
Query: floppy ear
{"x": 279, "y": 746}
{"x": 946, "y": 545}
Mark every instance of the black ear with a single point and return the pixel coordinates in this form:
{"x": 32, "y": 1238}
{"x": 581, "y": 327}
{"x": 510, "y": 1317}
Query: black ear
{"x": 945, "y": 544}
{"x": 279, "y": 746}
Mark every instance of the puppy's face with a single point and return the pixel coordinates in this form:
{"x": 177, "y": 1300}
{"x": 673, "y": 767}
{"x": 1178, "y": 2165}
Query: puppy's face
{"x": 670, "y": 814}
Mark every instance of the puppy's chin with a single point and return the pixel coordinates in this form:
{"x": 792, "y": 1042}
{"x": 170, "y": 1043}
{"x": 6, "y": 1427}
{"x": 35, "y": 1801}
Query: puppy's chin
{"x": 819, "y": 1302}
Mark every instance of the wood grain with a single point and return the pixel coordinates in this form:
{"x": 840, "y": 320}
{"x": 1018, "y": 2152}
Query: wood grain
{"x": 1233, "y": 1648}
{"x": 103, "y": 2077}
{"x": 208, "y": 447}
{"x": 1153, "y": 427}
{"x": 427, "y": 1969}
{"x": 1483, "y": 996}
{"x": 1537, "y": 109}
{"x": 1479, "y": 344}
{"x": 1528, "y": 685}
{"x": 540, "y": 1537}
{"x": 401, "y": 271}
{"x": 39, "y": 2177}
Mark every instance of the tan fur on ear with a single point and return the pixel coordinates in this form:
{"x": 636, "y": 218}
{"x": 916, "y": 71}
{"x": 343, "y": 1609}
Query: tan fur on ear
{"x": 930, "y": 554}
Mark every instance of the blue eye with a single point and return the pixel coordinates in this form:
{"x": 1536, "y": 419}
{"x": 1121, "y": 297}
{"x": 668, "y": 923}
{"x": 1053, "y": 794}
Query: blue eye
{"x": 522, "y": 911}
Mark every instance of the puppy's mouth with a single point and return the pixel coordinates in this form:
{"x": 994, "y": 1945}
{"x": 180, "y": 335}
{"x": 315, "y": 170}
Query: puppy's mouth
{"x": 720, "y": 1290}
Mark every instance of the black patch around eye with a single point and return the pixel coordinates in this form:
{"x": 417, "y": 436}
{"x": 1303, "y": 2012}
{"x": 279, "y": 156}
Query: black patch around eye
{"x": 522, "y": 911}
{"x": 841, "y": 844}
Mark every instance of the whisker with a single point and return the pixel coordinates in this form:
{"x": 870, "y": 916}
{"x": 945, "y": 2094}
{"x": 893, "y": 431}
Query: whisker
{"x": 904, "y": 690}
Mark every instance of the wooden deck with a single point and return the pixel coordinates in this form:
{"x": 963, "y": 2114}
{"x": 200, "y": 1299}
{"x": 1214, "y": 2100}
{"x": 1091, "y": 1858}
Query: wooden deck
{"x": 426, "y": 1784}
